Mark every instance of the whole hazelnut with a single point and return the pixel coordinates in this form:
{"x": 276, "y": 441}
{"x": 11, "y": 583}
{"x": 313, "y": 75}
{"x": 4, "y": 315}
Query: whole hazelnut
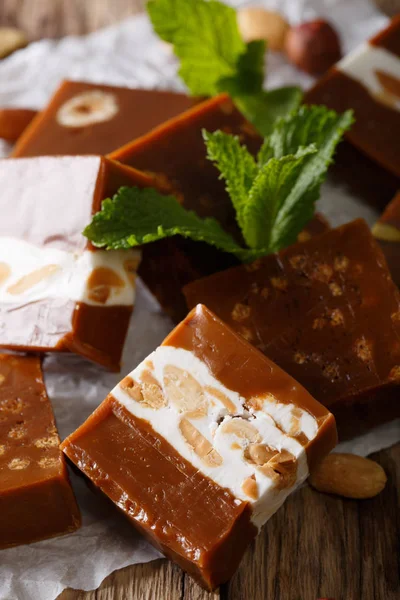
{"x": 260, "y": 24}
{"x": 313, "y": 47}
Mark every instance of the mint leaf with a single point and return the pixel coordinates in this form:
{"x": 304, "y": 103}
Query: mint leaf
{"x": 309, "y": 125}
{"x": 236, "y": 166}
{"x": 264, "y": 108}
{"x": 275, "y": 198}
{"x": 269, "y": 192}
{"x": 249, "y": 76}
{"x": 139, "y": 216}
{"x": 205, "y": 37}
{"x": 214, "y": 58}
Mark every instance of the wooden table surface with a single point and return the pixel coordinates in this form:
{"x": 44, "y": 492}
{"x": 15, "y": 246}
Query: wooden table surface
{"x": 316, "y": 545}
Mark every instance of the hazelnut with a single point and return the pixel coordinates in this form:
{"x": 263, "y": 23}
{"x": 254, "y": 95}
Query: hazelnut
{"x": 11, "y": 39}
{"x": 313, "y": 47}
{"x": 260, "y": 24}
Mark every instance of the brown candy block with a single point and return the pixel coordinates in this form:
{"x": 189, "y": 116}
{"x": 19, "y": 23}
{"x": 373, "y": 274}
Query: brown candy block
{"x": 57, "y": 292}
{"x": 201, "y": 443}
{"x": 387, "y": 232}
{"x": 36, "y": 498}
{"x": 87, "y": 118}
{"x": 14, "y": 121}
{"x": 327, "y": 312}
{"x": 368, "y": 81}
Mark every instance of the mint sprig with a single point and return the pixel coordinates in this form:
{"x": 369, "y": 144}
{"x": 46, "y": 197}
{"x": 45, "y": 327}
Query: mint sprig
{"x": 205, "y": 37}
{"x": 137, "y": 216}
{"x": 273, "y": 195}
{"x": 286, "y": 179}
{"x": 214, "y": 58}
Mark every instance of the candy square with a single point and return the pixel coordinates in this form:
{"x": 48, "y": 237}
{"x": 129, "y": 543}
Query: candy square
{"x": 326, "y": 311}
{"x": 57, "y": 292}
{"x": 201, "y": 443}
{"x": 36, "y": 498}
{"x": 88, "y": 118}
{"x": 368, "y": 81}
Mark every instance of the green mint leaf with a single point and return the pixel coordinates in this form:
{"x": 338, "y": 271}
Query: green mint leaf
{"x": 269, "y": 192}
{"x": 139, "y": 216}
{"x": 249, "y": 76}
{"x": 236, "y": 165}
{"x": 309, "y": 125}
{"x": 205, "y": 37}
{"x": 275, "y": 198}
{"x": 266, "y": 107}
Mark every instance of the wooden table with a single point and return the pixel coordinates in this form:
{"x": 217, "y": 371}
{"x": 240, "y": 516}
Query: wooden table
{"x": 316, "y": 545}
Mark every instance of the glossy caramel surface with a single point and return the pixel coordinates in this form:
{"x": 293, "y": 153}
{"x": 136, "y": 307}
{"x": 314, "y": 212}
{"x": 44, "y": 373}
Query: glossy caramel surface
{"x": 36, "y": 500}
{"x": 183, "y": 513}
{"x": 138, "y": 112}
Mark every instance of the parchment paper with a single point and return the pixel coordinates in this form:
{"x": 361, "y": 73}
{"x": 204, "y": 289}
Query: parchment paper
{"x": 129, "y": 54}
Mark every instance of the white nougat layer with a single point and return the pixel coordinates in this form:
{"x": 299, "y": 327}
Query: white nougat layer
{"x": 217, "y": 407}
{"x": 362, "y": 64}
{"x": 67, "y": 277}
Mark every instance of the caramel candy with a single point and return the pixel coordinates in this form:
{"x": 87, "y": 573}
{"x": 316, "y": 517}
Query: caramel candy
{"x": 58, "y": 293}
{"x": 36, "y": 498}
{"x": 87, "y": 118}
{"x": 387, "y": 232}
{"x": 176, "y": 151}
{"x": 368, "y": 81}
{"x": 212, "y": 437}
{"x": 14, "y": 121}
{"x": 328, "y": 313}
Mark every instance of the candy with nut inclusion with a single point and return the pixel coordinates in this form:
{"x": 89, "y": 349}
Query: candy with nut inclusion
{"x": 36, "y": 498}
{"x": 387, "y": 232}
{"x": 326, "y": 311}
{"x": 87, "y": 118}
{"x": 57, "y": 293}
{"x": 201, "y": 443}
{"x": 368, "y": 81}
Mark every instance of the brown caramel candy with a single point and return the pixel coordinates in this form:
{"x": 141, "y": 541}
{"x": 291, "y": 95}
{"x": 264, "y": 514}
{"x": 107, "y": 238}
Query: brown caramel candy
{"x": 87, "y": 118}
{"x": 387, "y": 232}
{"x": 57, "y": 292}
{"x": 14, "y": 121}
{"x": 368, "y": 81}
{"x": 36, "y": 498}
{"x": 328, "y": 313}
{"x": 212, "y": 437}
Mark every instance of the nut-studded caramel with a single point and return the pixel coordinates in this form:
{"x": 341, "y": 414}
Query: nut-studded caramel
{"x": 212, "y": 437}
{"x": 36, "y": 499}
{"x": 333, "y": 325}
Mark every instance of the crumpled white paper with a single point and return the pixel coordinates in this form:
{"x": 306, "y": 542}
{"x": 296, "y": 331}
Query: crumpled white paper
{"x": 129, "y": 54}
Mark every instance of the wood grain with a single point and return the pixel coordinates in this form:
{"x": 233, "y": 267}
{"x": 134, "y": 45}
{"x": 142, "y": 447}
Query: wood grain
{"x": 56, "y": 18}
{"x": 316, "y": 545}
